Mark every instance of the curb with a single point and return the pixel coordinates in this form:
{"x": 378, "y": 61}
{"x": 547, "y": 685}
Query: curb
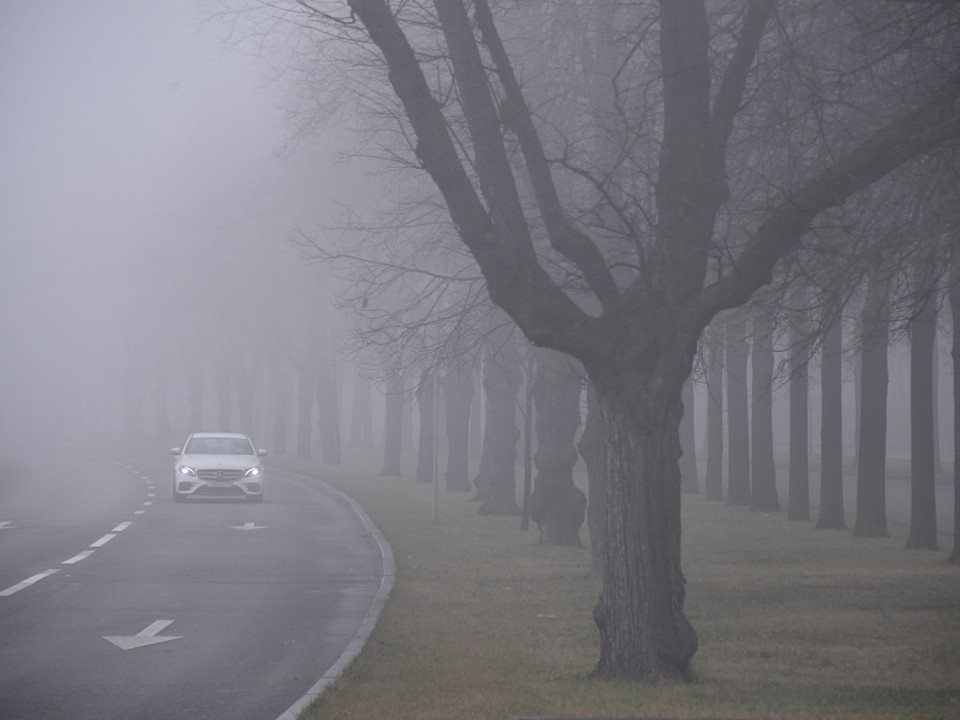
{"x": 368, "y": 623}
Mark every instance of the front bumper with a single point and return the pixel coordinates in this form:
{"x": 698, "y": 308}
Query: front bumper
{"x": 196, "y": 487}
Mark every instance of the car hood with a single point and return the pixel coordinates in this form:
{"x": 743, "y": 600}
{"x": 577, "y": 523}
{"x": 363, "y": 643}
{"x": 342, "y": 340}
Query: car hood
{"x": 224, "y": 462}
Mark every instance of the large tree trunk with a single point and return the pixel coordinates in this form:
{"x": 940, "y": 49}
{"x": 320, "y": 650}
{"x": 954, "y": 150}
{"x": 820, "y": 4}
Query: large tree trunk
{"x": 763, "y": 469}
{"x": 458, "y": 395}
{"x": 831, "y": 429}
{"x": 497, "y": 483}
{"x": 392, "y": 426}
{"x": 593, "y": 450}
{"x": 643, "y": 631}
{"x": 714, "y": 476}
{"x": 738, "y": 422}
{"x": 689, "y": 474}
{"x": 798, "y": 479}
{"x": 872, "y": 453}
{"x": 557, "y": 505}
{"x": 923, "y": 337}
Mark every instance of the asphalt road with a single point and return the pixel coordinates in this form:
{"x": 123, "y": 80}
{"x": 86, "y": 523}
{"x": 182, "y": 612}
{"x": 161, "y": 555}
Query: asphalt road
{"x": 117, "y": 603}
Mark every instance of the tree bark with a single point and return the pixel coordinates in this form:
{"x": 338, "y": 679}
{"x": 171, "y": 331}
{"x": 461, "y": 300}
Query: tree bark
{"x": 831, "y": 430}
{"x": 643, "y": 631}
{"x": 798, "y": 480}
{"x": 714, "y": 476}
{"x": 763, "y": 470}
{"x": 497, "y": 482}
{"x": 923, "y": 337}
{"x": 593, "y": 450}
{"x": 458, "y": 394}
{"x": 955, "y": 354}
{"x": 738, "y": 422}
{"x": 689, "y": 473}
{"x": 557, "y": 505}
{"x": 871, "y": 471}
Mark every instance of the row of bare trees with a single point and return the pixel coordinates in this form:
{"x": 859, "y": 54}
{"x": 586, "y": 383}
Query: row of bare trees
{"x": 621, "y": 174}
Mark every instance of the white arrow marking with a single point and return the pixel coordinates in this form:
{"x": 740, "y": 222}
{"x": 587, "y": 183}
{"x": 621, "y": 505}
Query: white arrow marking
{"x": 147, "y": 636}
{"x": 248, "y": 526}
{"x": 5, "y": 525}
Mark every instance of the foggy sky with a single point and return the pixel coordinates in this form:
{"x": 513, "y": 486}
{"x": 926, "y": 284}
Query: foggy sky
{"x": 140, "y": 164}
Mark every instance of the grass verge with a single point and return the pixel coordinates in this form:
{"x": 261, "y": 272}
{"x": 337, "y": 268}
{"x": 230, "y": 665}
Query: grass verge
{"x": 484, "y": 623}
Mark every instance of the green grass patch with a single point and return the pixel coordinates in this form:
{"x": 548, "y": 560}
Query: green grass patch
{"x": 484, "y": 623}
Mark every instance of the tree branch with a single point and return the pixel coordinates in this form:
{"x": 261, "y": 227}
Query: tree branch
{"x": 901, "y": 140}
{"x": 570, "y": 242}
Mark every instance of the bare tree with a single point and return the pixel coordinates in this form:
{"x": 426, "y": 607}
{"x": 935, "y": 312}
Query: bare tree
{"x": 632, "y": 311}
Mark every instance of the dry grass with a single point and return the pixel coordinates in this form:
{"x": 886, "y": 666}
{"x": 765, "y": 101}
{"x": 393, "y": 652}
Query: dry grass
{"x": 794, "y": 623}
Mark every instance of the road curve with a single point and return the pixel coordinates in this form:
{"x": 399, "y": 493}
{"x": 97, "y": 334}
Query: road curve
{"x": 116, "y": 603}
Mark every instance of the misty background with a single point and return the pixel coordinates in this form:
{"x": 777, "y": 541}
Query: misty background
{"x": 149, "y": 193}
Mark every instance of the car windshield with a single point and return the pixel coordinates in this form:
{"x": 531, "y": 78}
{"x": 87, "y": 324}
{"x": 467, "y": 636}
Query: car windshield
{"x": 218, "y": 446}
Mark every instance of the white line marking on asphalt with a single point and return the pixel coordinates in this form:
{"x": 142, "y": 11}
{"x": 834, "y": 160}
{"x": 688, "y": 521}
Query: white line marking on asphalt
{"x": 148, "y": 503}
{"x": 102, "y": 541}
{"x": 147, "y": 636}
{"x": 77, "y": 558}
{"x": 248, "y": 526}
{"x": 27, "y": 583}
{"x": 5, "y": 525}
{"x": 122, "y": 526}
{"x": 151, "y": 494}
{"x": 138, "y": 512}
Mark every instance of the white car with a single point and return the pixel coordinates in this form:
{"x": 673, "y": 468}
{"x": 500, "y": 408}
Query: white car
{"x": 218, "y": 465}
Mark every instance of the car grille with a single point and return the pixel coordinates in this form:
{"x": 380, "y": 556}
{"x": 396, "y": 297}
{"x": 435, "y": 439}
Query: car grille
{"x": 216, "y": 474}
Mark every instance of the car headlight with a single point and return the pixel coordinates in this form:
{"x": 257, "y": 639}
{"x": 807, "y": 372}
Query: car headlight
{"x": 188, "y": 471}
{"x": 253, "y": 472}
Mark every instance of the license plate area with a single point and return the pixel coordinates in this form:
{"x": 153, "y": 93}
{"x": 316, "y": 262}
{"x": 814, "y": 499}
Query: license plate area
{"x": 218, "y": 484}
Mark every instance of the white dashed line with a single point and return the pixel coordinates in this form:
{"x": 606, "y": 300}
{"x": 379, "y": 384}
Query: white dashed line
{"x": 27, "y": 583}
{"x": 148, "y": 503}
{"x": 122, "y": 526}
{"x": 77, "y": 558}
{"x": 103, "y": 541}
{"x": 138, "y": 512}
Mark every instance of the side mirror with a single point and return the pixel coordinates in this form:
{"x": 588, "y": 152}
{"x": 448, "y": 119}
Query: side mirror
{"x": 262, "y": 453}
{"x": 174, "y": 451}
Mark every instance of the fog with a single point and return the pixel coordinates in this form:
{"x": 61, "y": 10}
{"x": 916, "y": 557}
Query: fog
{"x": 146, "y": 197}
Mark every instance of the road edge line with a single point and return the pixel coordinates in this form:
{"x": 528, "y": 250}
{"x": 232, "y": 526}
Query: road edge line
{"x": 369, "y": 622}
